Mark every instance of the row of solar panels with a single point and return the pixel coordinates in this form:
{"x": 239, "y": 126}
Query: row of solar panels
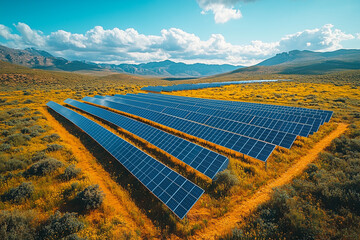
{"x": 176, "y": 192}
{"x": 180, "y": 87}
{"x": 253, "y": 133}
{"x": 323, "y": 114}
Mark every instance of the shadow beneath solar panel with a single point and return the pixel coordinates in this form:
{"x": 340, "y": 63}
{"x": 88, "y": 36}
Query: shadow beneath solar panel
{"x": 151, "y": 206}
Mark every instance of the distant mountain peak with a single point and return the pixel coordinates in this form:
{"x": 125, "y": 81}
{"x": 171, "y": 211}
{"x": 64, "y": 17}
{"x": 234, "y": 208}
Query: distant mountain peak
{"x": 302, "y": 56}
{"x": 37, "y": 52}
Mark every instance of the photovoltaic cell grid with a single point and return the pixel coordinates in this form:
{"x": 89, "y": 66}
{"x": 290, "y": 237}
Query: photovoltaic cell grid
{"x": 180, "y": 87}
{"x": 201, "y": 159}
{"x": 254, "y": 148}
{"x": 275, "y": 137}
{"x": 275, "y": 124}
{"x": 175, "y": 191}
{"x": 260, "y": 112}
{"x": 306, "y": 112}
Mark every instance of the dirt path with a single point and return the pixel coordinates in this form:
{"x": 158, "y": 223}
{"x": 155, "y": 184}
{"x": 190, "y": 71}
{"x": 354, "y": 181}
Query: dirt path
{"x": 220, "y": 226}
{"x": 115, "y": 197}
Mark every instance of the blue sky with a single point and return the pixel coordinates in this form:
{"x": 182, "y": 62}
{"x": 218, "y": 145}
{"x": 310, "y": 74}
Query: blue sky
{"x": 241, "y": 32}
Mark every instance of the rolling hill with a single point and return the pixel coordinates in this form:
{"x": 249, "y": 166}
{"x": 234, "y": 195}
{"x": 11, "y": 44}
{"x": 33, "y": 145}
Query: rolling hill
{"x": 306, "y": 62}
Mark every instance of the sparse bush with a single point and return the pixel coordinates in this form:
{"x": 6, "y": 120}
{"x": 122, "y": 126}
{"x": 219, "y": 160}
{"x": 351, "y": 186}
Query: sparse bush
{"x": 4, "y": 116}
{"x": 43, "y": 167}
{"x": 54, "y": 147}
{"x": 5, "y": 147}
{"x": 28, "y": 101}
{"x": 90, "y": 198}
{"x": 60, "y": 226}
{"x": 71, "y": 172}
{"x": 12, "y": 164}
{"x": 17, "y": 139}
{"x": 223, "y": 182}
{"x": 37, "y": 128}
{"x": 51, "y": 138}
{"x": 25, "y": 130}
{"x": 17, "y": 194}
{"x": 17, "y": 225}
{"x": 5, "y": 133}
{"x": 38, "y": 156}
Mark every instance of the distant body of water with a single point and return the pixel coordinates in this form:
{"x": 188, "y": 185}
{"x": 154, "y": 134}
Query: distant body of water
{"x": 180, "y": 87}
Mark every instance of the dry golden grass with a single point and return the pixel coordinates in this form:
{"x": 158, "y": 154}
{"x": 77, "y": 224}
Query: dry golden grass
{"x": 120, "y": 216}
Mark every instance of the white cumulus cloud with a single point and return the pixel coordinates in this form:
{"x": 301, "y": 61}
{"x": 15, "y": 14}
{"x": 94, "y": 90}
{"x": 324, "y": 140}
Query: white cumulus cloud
{"x": 119, "y": 46}
{"x": 223, "y": 10}
{"x": 325, "y": 38}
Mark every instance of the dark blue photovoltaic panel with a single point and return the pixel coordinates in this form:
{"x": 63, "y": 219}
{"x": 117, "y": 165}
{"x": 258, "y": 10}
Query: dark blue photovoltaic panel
{"x": 298, "y": 115}
{"x": 279, "y": 138}
{"x": 220, "y": 137}
{"x": 243, "y": 115}
{"x": 175, "y": 191}
{"x": 324, "y": 115}
{"x": 180, "y": 87}
{"x": 205, "y": 161}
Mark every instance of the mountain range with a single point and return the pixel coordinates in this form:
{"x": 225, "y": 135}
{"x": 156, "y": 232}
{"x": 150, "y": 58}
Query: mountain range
{"x": 39, "y": 59}
{"x": 293, "y": 62}
{"x": 307, "y": 62}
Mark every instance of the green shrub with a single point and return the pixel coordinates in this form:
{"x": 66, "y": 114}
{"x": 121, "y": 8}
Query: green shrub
{"x": 71, "y": 172}
{"x": 17, "y": 225}
{"x": 51, "y": 138}
{"x": 4, "y": 116}
{"x": 28, "y": 101}
{"x": 4, "y": 147}
{"x": 223, "y": 182}
{"x": 54, "y": 147}
{"x": 90, "y": 198}
{"x": 60, "y": 226}
{"x": 38, "y": 156}
{"x": 43, "y": 167}
{"x": 25, "y": 130}
{"x": 18, "y": 139}
{"x": 14, "y": 164}
{"x": 17, "y": 194}
{"x": 5, "y": 133}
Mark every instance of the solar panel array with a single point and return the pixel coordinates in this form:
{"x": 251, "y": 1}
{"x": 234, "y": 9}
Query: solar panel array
{"x": 249, "y": 146}
{"x": 276, "y": 137}
{"x": 201, "y": 159}
{"x": 300, "y": 129}
{"x": 180, "y": 87}
{"x": 274, "y": 119}
{"x": 325, "y": 115}
{"x": 284, "y": 118}
{"x": 175, "y": 191}
{"x": 250, "y": 128}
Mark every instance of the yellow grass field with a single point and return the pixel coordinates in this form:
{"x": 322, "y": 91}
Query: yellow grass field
{"x": 125, "y": 212}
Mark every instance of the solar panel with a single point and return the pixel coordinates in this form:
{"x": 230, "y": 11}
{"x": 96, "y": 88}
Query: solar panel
{"x": 276, "y": 124}
{"x": 257, "y": 111}
{"x": 201, "y": 159}
{"x": 307, "y": 112}
{"x": 257, "y": 149}
{"x": 175, "y": 191}
{"x": 276, "y": 137}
